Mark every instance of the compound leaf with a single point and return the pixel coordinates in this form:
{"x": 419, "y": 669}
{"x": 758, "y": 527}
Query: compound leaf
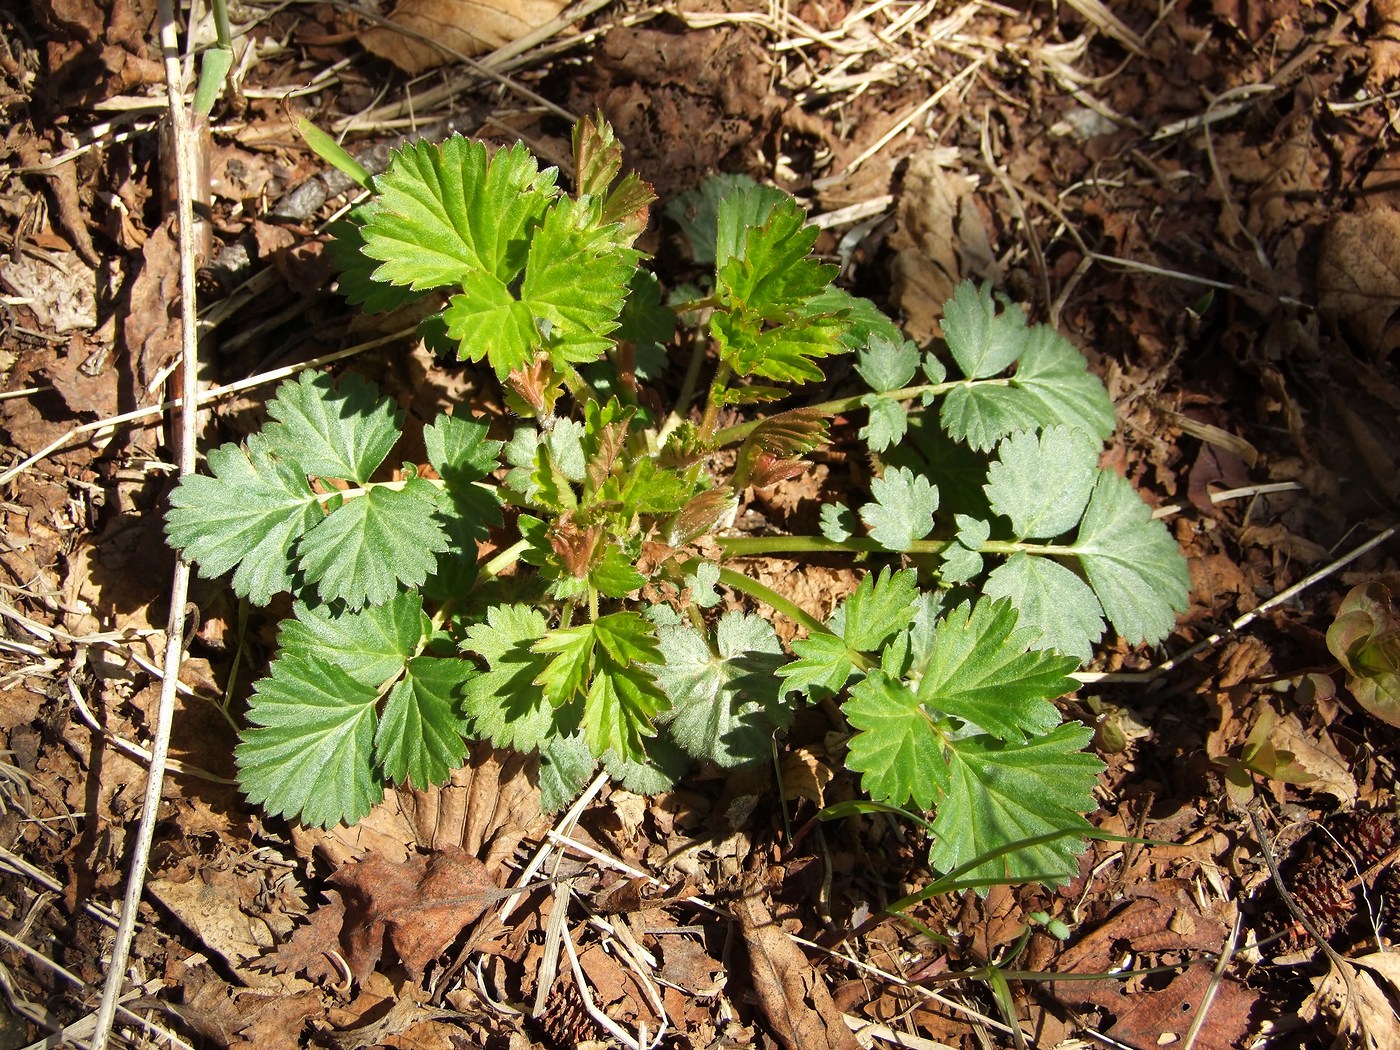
{"x": 982, "y": 672}
{"x": 442, "y": 212}
{"x": 724, "y": 698}
{"x": 903, "y": 509}
{"x": 248, "y": 515}
{"x": 372, "y": 546}
{"x": 1042, "y": 482}
{"x": 420, "y": 738}
{"x": 309, "y": 752}
{"x": 999, "y": 793}
{"x": 504, "y": 701}
{"x": 1135, "y": 567}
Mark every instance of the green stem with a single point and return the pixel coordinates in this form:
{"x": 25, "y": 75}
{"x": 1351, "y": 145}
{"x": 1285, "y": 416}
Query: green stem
{"x": 709, "y": 302}
{"x": 746, "y": 546}
{"x": 502, "y": 561}
{"x": 1010, "y": 547}
{"x": 763, "y": 593}
{"x": 707, "y": 424}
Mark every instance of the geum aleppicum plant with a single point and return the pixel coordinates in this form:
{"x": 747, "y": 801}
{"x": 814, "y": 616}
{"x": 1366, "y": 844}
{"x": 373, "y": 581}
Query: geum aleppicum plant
{"x": 592, "y": 633}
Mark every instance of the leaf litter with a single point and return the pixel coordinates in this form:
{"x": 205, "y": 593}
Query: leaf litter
{"x": 700, "y": 99}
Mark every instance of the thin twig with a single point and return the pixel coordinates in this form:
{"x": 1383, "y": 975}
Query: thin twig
{"x": 180, "y": 581}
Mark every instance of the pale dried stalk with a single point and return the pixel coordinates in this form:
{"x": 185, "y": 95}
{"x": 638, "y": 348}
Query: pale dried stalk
{"x": 180, "y": 582}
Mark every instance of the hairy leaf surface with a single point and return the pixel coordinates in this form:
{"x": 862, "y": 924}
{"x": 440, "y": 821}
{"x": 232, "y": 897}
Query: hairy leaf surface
{"x": 505, "y": 703}
{"x": 999, "y": 793}
{"x": 724, "y": 697}
{"x": 903, "y": 509}
{"x": 309, "y": 752}
{"x": 982, "y": 672}
{"x": 1131, "y": 561}
{"x": 1042, "y": 481}
{"x": 248, "y": 516}
{"x": 373, "y": 545}
{"x": 332, "y": 430}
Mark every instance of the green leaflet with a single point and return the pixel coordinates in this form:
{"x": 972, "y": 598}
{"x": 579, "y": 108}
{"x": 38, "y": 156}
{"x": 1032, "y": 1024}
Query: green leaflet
{"x": 310, "y": 751}
{"x": 246, "y": 517}
{"x": 322, "y": 745}
{"x": 443, "y": 212}
{"x": 1041, "y": 482}
{"x": 332, "y": 430}
{"x": 420, "y": 737}
{"x": 371, "y": 546}
{"x": 604, "y": 664}
{"x": 371, "y": 646}
{"x": 1051, "y": 384}
{"x": 902, "y": 512}
{"x": 1131, "y": 561}
{"x": 505, "y": 703}
{"x": 995, "y": 793}
{"x": 723, "y": 695}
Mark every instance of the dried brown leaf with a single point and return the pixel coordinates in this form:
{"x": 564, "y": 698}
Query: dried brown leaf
{"x": 467, "y": 26}
{"x": 418, "y": 907}
{"x": 792, "y": 995}
{"x": 309, "y": 948}
{"x": 1358, "y": 996}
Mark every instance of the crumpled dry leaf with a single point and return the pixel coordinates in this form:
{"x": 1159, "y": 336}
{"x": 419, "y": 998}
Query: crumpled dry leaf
{"x": 418, "y": 907}
{"x": 792, "y": 994}
{"x": 467, "y": 26}
{"x": 1359, "y": 996}
{"x": 940, "y": 240}
{"x": 1358, "y": 277}
{"x": 1316, "y": 754}
{"x": 487, "y": 807}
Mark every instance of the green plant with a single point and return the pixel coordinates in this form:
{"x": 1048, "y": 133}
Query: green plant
{"x": 593, "y": 634}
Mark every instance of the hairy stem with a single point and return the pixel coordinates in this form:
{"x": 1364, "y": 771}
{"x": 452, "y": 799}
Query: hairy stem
{"x": 745, "y": 546}
{"x": 733, "y": 435}
{"x": 763, "y": 593}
